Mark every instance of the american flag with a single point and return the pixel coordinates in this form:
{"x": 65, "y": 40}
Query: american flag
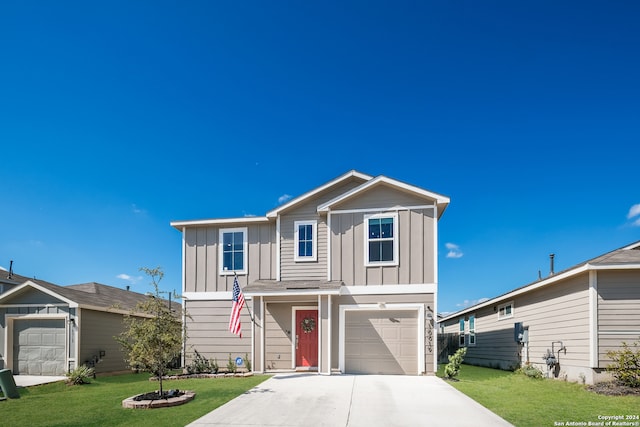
{"x": 236, "y": 308}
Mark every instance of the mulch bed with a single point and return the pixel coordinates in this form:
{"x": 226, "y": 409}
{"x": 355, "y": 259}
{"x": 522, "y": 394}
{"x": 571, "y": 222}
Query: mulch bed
{"x": 614, "y": 389}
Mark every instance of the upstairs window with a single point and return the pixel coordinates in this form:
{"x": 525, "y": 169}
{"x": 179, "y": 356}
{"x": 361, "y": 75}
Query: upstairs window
{"x": 461, "y": 333}
{"x": 306, "y": 240}
{"x": 505, "y": 311}
{"x": 233, "y": 250}
{"x": 381, "y": 244}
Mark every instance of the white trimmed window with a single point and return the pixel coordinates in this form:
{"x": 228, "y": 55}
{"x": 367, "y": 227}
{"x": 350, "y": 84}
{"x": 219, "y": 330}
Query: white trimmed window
{"x": 461, "y": 334}
{"x": 505, "y": 311}
{"x": 233, "y": 250}
{"x": 306, "y": 238}
{"x": 472, "y": 330}
{"x": 381, "y": 239}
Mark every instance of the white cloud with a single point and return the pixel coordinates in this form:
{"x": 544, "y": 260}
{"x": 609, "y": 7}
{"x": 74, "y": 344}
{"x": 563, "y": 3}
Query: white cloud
{"x": 284, "y": 198}
{"x": 454, "y": 251}
{"x": 633, "y": 212}
{"x": 130, "y": 279}
{"x": 136, "y": 210}
{"x": 468, "y": 303}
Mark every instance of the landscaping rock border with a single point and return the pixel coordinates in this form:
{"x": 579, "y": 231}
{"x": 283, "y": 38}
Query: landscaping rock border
{"x": 130, "y": 403}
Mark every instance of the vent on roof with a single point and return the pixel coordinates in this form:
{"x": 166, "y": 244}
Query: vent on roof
{"x": 551, "y": 267}
{"x": 10, "y": 270}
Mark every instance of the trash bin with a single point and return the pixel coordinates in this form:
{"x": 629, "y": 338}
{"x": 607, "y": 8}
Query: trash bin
{"x": 8, "y": 384}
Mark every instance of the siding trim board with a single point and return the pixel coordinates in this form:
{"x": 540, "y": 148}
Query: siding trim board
{"x": 383, "y": 210}
{"x": 400, "y": 289}
{"x": 181, "y": 225}
{"x": 593, "y": 319}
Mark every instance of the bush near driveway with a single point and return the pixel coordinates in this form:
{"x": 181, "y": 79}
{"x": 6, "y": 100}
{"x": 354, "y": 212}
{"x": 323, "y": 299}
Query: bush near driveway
{"x": 100, "y": 402}
{"x": 527, "y": 402}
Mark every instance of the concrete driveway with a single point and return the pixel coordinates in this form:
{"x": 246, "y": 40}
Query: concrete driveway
{"x": 351, "y": 401}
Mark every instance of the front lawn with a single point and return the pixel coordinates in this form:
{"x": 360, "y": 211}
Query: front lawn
{"x": 100, "y": 403}
{"x": 525, "y": 402}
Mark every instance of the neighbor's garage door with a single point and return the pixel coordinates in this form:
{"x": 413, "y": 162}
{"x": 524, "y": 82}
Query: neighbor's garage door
{"x": 381, "y": 342}
{"x": 39, "y": 347}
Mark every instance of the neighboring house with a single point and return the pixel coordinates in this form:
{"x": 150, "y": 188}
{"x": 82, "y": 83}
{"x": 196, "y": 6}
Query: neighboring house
{"x": 9, "y": 280}
{"x": 46, "y": 329}
{"x": 341, "y": 279}
{"x": 577, "y": 315}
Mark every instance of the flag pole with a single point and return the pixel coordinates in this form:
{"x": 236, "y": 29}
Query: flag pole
{"x": 245, "y": 305}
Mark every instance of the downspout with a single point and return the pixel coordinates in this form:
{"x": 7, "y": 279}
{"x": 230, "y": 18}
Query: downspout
{"x": 329, "y": 335}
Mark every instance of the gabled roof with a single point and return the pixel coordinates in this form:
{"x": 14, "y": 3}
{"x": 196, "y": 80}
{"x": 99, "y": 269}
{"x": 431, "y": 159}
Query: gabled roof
{"x": 440, "y": 200}
{"x": 300, "y": 199}
{"x": 12, "y": 278}
{"x": 627, "y": 257}
{"x": 94, "y": 296}
{"x": 366, "y": 182}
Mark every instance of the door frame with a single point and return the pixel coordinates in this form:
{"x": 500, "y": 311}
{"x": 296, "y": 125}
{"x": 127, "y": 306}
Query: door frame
{"x": 294, "y": 326}
{"x": 9, "y": 334}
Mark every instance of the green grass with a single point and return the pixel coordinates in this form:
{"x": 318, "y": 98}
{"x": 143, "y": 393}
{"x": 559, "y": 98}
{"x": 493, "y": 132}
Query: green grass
{"x": 100, "y": 403}
{"x": 527, "y": 402}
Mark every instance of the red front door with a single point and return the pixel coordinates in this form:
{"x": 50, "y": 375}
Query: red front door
{"x": 307, "y": 338}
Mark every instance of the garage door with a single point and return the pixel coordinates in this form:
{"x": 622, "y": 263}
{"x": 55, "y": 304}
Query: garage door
{"x": 381, "y": 342}
{"x": 39, "y": 347}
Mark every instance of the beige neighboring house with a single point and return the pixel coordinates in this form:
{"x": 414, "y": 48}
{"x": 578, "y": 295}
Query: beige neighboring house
{"x": 46, "y": 329}
{"x": 576, "y": 316}
{"x": 343, "y": 278}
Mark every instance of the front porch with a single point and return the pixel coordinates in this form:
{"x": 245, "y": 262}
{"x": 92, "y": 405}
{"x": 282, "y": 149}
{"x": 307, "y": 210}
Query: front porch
{"x": 292, "y": 326}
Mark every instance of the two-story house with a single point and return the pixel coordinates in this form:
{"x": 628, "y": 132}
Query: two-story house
{"x": 343, "y": 278}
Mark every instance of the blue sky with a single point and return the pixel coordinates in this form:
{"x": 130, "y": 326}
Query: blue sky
{"x": 119, "y": 117}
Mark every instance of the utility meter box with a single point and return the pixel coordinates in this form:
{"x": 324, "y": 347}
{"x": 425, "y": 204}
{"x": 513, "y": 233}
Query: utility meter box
{"x": 520, "y": 334}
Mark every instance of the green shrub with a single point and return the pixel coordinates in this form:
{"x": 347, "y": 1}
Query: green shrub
{"x": 231, "y": 365}
{"x": 530, "y": 371}
{"x": 626, "y": 364}
{"x": 453, "y": 367}
{"x": 80, "y": 375}
{"x": 247, "y": 362}
{"x": 202, "y": 365}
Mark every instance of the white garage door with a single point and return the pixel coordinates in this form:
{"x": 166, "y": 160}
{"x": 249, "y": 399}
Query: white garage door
{"x": 381, "y": 342}
{"x": 39, "y": 347}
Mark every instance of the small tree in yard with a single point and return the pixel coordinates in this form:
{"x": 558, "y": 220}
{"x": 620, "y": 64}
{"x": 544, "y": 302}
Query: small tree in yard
{"x": 151, "y": 342}
{"x": 452, "y": 369}
{"x": 626, "y": 364}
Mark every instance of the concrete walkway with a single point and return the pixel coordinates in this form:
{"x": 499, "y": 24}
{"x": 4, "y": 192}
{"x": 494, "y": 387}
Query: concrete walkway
{"x": 31, "y": 380}
{"x": 351, "y": 401}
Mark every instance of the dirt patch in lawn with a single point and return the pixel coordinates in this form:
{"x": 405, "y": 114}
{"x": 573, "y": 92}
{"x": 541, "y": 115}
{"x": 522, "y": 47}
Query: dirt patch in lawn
{"x": 614, "y": 389}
